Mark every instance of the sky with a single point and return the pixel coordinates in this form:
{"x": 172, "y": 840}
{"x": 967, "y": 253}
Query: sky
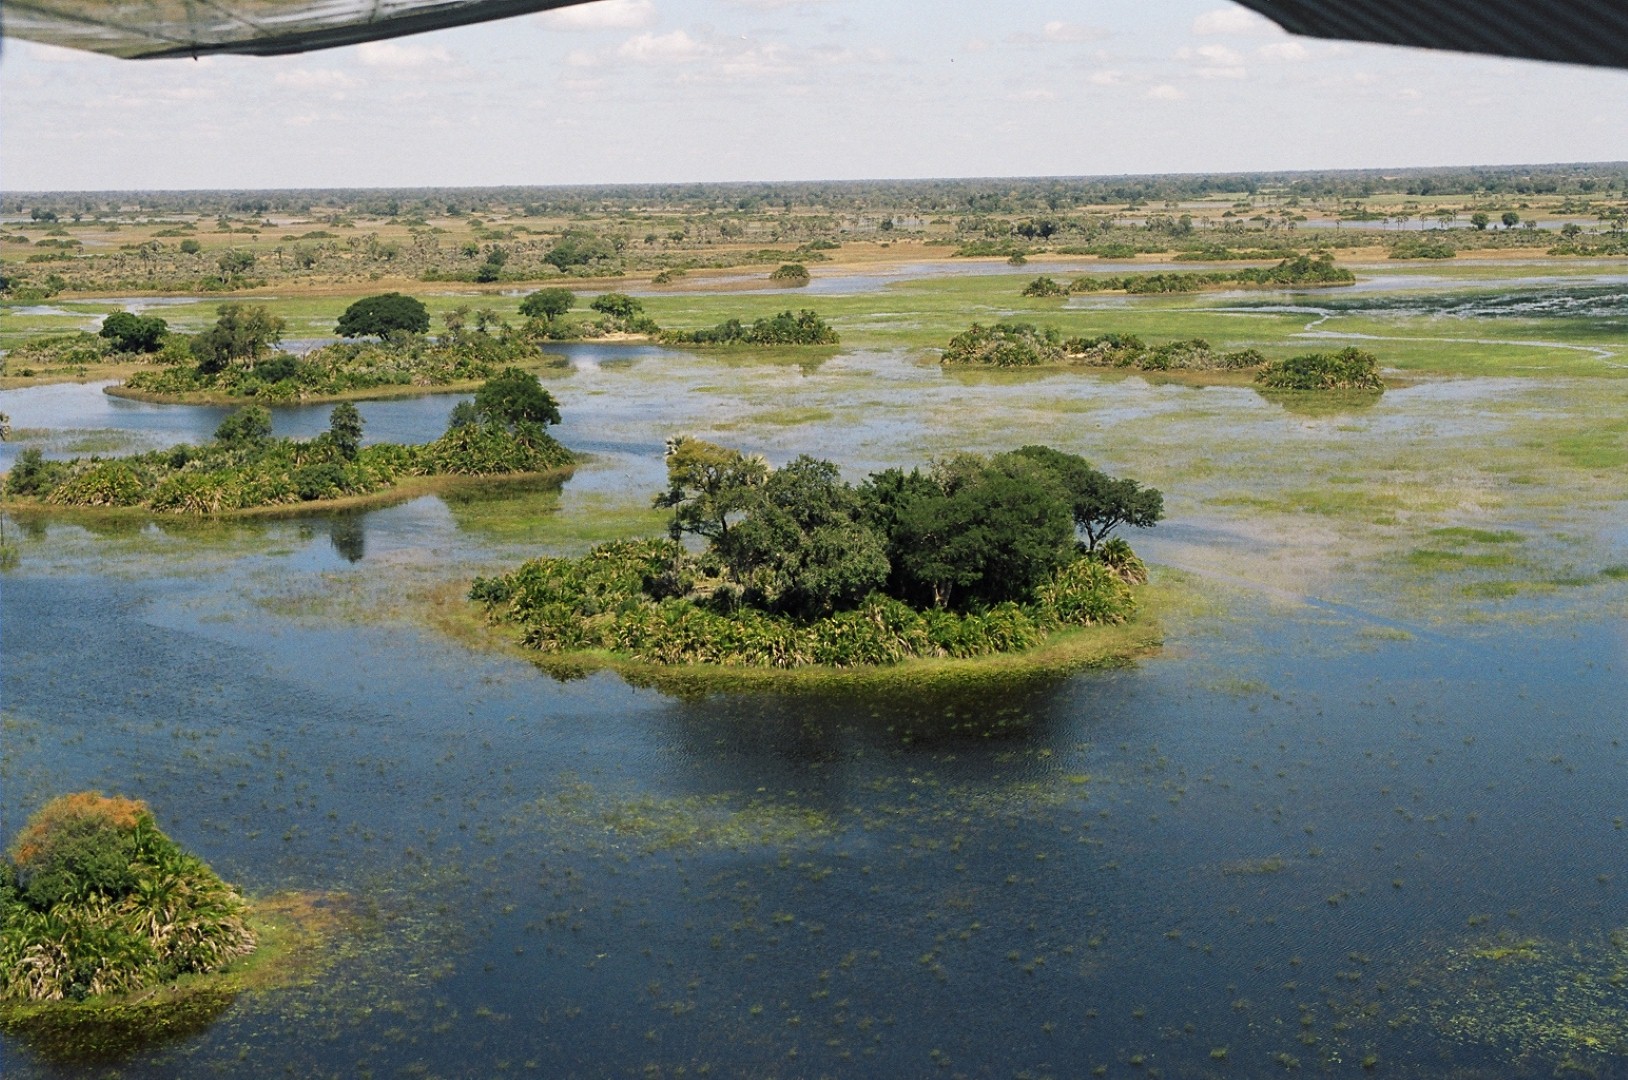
{"x": 634, "y": 91}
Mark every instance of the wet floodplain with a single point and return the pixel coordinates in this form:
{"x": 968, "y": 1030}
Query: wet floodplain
{"x": 1364, "y": 811}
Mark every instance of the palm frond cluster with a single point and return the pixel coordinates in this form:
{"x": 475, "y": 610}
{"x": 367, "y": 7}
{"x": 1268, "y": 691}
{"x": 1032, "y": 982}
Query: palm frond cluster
{"x": 95, "y": 899}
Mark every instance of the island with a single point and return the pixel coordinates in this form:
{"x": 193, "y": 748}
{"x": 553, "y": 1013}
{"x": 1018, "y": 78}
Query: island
{"x": 1017, "y": 345}
{"x": 244, "y": 470}
{"x": 790, "y": 568}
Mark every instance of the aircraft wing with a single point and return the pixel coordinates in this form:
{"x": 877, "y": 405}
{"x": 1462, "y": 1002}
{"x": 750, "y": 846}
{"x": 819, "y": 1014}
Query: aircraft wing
{"x": 1571, "y": 31}
{"x": 144, "y": 29}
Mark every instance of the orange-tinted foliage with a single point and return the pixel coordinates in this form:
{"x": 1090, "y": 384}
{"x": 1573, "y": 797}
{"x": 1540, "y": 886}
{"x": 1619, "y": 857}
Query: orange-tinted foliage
{"x": 67, "y": 810}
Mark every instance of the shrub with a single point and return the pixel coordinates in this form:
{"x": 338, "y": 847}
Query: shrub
{"x": 1348, "y": 369}
{"x": 100, "y": 483}
{"x": 794, "y": 274}
{"x": 803, "y": 328}
{"x": 1044, "y": 286}
{"x": 98, "y": 900}
{"x": 1005, "y": 345}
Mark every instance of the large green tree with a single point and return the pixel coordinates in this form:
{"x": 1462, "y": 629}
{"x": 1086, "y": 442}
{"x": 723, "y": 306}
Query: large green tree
{"x": 1098, "y": 502}
{"x": 381, "y": 315}
{"x": 983, "y": 533}
{"x": 803, "y": 547}
{"x": 131, "y": 333}
{"x": 707, "y": 485}
{"x": 242, "y": 332}
{"x": 548, "y": 304}
{"x": 514, "y": 398}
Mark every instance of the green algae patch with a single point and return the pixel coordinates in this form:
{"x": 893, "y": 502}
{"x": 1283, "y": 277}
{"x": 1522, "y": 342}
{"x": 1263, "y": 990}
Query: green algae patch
{"x": 1530, "y": 996}
{"x": 680, "y": 823}
{"x": 294, "y": 931}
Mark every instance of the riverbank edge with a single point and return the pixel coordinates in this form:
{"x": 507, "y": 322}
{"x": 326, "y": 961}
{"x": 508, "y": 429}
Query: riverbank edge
{"x": 1064, "y": 652}
{"x": 411, "y": 488}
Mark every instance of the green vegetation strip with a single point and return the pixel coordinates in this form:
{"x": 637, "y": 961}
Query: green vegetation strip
{"x": 244, "y": 468}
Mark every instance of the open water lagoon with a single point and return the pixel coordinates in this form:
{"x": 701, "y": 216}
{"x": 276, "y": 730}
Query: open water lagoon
{"x": 1366, "y": 809}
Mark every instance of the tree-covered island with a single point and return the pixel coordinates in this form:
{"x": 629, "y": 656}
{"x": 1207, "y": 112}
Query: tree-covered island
{"x": 1017, "y": 345}
{"x": 502, "y": 432}
{"x": 796, "y": 567}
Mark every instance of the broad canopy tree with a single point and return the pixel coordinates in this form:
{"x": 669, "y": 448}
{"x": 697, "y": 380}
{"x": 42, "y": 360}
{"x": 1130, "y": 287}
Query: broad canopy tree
{"x": 969, "y": 533}
{"x": 130, "y": 333}
{"x": 382, "y": 315}
{"x": 515, "y": 399}
{"x": 547, "y": 305}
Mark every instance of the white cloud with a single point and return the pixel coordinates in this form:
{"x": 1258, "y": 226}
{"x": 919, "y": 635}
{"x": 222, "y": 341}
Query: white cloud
{"x": 581, "y": 58}
{"x": 677, "y": 46}
{"x": 1214, "y": 61}
{"x": 316, "y": 79}
{"x": 604, "y": 15}
{"x": 1233, "y": 20}
{"x": 1283, "y": 50}
{"x": 1166, "y": 92}
{"x": 1105, "y": 78}
{"x": 394, "y": 54}
{"x": 1215, "y": 55}
{"x": 752, "y": 63}
{"x": 1070, "y": 33}
{"x": 1037, "y": 94}
{"x": 303, "y": 120}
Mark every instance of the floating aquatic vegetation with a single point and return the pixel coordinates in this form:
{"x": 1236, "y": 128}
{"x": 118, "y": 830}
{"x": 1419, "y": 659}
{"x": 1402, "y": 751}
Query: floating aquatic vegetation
{"x": 1528, "y": 995}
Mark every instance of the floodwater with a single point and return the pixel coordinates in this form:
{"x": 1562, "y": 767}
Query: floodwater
{"x": 1341, "y": 819}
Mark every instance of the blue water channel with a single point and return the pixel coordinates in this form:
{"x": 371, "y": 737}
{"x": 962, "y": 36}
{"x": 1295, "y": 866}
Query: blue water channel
{"x": 1288, "y": 845}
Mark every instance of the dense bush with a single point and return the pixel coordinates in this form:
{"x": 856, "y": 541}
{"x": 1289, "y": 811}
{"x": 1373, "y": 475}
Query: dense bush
{"x": 600, "y": 602}
{"x": 1005, "y": 344}
{"x": 58, "y": 350}
{"x": 803, "y": 328}
{"x": 245, "y": 467}
{"x": 1011, "y": 345}
{"x": 976, "y": 556}
{"x": 1044, "y": 286}
{"x": 95, "y": 899}
{"x": 1423, "y": 247}
{"x": 1348, "y": 369}
{"x": 1300, "y": 270}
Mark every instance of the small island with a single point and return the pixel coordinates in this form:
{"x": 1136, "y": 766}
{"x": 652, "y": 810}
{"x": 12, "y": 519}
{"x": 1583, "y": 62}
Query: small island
{"x": 973, "y": 557}
{"x": 97, "y": 900}
{"x": 803, "y": 328}
{"x": 243, "y": 470}
{"x": 113, "y": 937}
{"x": 1015, "y": 345}
{"x": 1300, "y": 271}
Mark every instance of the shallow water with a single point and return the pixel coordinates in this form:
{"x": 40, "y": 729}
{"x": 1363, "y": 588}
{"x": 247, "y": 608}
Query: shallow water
{"x": 1052, "y": 875}
{"x": 1286, "y": 835}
